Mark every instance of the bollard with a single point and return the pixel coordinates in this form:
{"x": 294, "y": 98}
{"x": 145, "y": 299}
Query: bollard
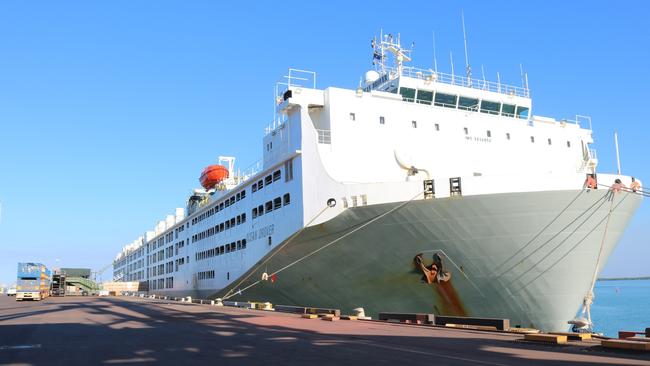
{"x": 218, "y": 302}
{"x": 361, "y": 314}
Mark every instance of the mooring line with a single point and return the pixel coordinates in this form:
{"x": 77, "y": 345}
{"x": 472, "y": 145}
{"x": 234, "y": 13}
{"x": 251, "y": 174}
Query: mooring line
{"x": 329, "y": 244}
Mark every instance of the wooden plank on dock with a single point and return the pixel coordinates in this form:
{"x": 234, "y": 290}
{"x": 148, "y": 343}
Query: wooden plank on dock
{"x": 500, "y": 324}
{"x": 471, "y": 327}
{"x": 348, "y": 317}
{"x": 574, "y": 336}
{"x": 412, "y": 318}
{"x": 546, "y": 338}
{"x": 330, "y": 318}
{"x": 638, "y": 339}
{"x": 625, "y": 344}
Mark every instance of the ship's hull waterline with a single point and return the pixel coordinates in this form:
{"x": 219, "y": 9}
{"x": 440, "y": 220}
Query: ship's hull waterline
{"x": 485, "y": 243}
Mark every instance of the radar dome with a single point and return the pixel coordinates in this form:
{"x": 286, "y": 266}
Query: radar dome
{"x": 371, "y": 76}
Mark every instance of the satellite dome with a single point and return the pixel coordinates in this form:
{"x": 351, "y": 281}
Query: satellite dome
{"x": 371, "y": 76}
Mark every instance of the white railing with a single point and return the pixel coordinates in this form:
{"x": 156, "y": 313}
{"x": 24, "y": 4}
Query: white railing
{"x": 250, "y": 171}
{"x": 474, "y": 83}
{"x": 294, "y": 78}
{"x": 324, "y": 137}
{"x": 579, "y": 120}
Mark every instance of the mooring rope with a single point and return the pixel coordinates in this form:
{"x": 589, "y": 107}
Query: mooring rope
{"x": 540, "y": 232}
{"x": 229, "y": 293}
{"x": 561, "y": 242}
{"x": 542, "y": 245}
{"x": 589, "y": 297}
{"x": 571, "y": 249}
{"x": 326, "y": 245}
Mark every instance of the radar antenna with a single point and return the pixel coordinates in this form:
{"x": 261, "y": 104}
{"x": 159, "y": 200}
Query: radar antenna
{"x": 387, "y": 44}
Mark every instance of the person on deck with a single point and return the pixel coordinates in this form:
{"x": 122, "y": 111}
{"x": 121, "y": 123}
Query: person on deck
{"x": 635, "y": 185}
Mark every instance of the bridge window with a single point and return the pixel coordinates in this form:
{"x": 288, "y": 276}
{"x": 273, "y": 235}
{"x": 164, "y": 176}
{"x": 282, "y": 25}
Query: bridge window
{"x": 568, "y": 144}
{"x": 436, "y": 127}
{"x": 287, "y": 199}
{"x": 522, "y": 112}
{"x": 549, "y": 141}
{"x": 508, "y": 110}
{"x": 468, "y": 104}
{"x": 508, "y": 135}
{"x": 288, "y": 170}
{"x": 382, "y": 120}
{"x": 408, "y": 94}
{"x": 445, "y": 100}
{"x": 490, "y": 107}
{"x": 466, "y": 130}
{"x": 425, "y": 97}
{"x": 532, "y": 139}
{"x": 414, "y": 124}
{"x": 353, "y": 117}
{"x": 489, "y": 133}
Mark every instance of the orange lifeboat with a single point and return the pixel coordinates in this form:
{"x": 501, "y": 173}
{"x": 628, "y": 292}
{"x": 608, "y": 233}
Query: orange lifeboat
{"x": 213, "y": 175}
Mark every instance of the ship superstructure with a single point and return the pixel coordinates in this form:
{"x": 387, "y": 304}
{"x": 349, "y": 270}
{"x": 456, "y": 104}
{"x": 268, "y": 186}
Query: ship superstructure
{"x": 418, "y": 191}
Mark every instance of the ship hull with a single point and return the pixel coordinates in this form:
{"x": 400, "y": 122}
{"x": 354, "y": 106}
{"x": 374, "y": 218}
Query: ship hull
{"x": 528, "y": 257}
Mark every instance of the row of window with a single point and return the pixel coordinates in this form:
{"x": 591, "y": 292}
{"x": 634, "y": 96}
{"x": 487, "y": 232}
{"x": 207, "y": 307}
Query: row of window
{"x": 168, "y": 267}
{"x": 169, "y": 237}
{"x": 463, "y": 103}
{"x": 237, "y": 220}
{"x": 179, "y": 262}
{"x": 135, "y": 276}
{"x": 205, "y": 275}
{"x": 179, "y": 245}
{"x": 216, "y": 251}
{"x": 532, "y": 138}
{"x": 179, "y": 230}
{"x": 277, "y": 203}
{"x": 225, "y": 203}
{"x": 276, "y": 176}
{"x": 161, "y": 283}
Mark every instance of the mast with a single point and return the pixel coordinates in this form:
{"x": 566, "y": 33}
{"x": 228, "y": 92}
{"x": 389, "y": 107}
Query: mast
{"x": 467, "y": 67}
{"x": 618, "y": 156}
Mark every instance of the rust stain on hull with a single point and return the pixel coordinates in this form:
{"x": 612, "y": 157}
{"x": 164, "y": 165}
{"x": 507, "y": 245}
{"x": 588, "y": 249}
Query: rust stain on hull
{"x": 450, "y": 303}
{"x": 435, "y": 275}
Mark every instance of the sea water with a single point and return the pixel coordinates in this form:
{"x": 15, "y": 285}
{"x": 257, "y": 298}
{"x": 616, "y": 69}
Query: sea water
{"x": 621, "y": 305}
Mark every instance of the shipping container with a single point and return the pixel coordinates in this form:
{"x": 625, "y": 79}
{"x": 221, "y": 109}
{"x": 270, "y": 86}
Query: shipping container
{"x": 33, "y": 282}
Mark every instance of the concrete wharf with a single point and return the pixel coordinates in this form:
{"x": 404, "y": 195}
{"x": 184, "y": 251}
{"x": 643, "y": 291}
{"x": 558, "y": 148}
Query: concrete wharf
{"x": 133, "y": 330}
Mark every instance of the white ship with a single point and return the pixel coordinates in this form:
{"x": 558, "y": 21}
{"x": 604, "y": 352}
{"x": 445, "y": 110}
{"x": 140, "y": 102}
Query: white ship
{"x": 419, "y": 191}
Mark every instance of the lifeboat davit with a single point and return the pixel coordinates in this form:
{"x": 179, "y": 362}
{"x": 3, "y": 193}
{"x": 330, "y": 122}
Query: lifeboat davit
{"x": 213, "y": 175}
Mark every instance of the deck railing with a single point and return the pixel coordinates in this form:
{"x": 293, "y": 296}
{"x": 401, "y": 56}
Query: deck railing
{"x": 474, "y": 83}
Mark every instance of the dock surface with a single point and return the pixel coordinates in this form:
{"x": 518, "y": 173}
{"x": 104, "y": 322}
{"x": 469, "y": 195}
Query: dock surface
{"x": 135, "y": 331}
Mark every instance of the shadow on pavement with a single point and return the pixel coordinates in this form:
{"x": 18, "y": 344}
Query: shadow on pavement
{"x": 115, "y": 331}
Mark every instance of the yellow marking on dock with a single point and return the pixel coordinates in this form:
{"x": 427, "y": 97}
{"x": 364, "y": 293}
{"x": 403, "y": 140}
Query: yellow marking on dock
{"x": 331, "y": 318}
{"x": 625, "y": 344}
{"x": 348, "y": 317}
{"x": 574, "y": 336}
{"x": 523, "y": 330}
{"x": 471, "y": 327}
{"x": 546, "y": 338}
{"x": 309, "y": 316}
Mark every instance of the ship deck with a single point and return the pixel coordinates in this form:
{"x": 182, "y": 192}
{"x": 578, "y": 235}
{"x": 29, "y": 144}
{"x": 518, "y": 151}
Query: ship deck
{"x": 128, "y": 330}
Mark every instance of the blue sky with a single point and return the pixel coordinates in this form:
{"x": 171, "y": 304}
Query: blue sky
{"x": 109, "y": 111}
